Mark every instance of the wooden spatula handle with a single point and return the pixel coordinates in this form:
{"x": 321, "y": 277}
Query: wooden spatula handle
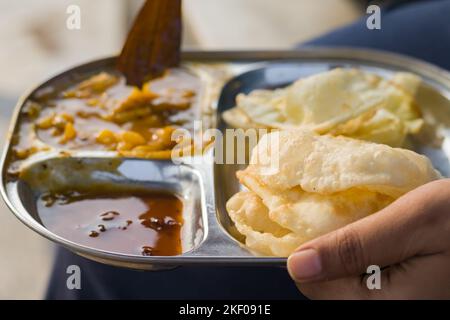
{"x": 153, "y": 43}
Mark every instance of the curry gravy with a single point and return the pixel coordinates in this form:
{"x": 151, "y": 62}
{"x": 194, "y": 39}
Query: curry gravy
{"x": 101, "y": 112}
{"x": 147, "y": 224}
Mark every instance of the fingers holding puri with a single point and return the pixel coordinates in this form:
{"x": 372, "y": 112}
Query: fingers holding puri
{"x": 413, "y": 225}
{"x": 424, "y": 277}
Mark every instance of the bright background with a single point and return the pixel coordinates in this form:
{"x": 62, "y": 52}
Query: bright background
{"x": 35, "y": 44}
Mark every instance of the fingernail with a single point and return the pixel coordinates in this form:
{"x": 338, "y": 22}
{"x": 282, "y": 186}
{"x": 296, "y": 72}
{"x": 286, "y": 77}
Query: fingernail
{"x": 305, "y": 265}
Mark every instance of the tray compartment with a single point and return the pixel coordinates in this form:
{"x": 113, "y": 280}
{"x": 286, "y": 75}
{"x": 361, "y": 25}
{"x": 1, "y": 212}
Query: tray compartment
{"x": 433, "y": 97}
{"x": 114, "y": 175}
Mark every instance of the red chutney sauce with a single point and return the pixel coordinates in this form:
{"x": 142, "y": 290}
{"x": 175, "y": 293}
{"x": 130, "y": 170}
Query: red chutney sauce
{"x": 147, "y": 224}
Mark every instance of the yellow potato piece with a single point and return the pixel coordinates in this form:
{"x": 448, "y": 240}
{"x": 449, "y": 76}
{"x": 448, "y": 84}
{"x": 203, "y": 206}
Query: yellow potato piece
{"x": 93, "y": 86}
{"x": 69, "y": 133}
{"x": 131, "y": 138}
{"x": 46, "y": 123}
{"x": 106, "y": 137}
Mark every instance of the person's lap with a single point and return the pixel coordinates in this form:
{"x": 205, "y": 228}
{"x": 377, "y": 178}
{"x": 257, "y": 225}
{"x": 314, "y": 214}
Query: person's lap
{"x": 421, "y": 30}
{"x": 105, "y": 282}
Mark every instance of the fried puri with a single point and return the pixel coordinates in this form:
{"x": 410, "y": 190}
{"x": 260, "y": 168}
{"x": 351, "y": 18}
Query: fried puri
{"x": 301, "y": 185}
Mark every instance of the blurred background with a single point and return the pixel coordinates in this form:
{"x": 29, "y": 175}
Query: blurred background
{"x": 36, "y": 44}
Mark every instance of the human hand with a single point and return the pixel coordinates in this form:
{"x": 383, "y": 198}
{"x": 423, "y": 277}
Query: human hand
{"x": 409, "y": 240}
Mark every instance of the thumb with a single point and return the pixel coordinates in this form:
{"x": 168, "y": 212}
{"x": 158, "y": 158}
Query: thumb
{"x": 404, "y": 229}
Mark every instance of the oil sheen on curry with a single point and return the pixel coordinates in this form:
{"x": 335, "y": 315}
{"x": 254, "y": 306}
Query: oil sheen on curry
{"x": 137, "y": 223}
{"x": 102, "y": 113}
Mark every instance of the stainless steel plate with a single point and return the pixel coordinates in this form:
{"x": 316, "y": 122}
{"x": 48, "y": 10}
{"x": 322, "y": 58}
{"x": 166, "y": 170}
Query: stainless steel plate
{"x": 208, "y": 235}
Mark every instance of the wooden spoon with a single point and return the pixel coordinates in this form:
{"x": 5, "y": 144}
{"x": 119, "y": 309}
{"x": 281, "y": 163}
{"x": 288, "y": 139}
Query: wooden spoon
{"x": 153, "y": 43}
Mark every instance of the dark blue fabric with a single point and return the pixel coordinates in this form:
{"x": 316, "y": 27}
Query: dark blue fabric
{"x": 100, "y": 281}
{"x": 420, "y": 29}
